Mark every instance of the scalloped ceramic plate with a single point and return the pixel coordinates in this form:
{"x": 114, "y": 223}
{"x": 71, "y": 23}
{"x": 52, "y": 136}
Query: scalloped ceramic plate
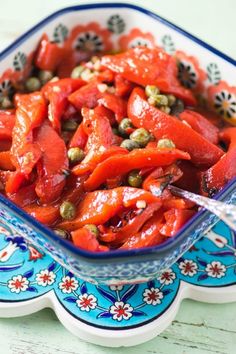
{"x": 116, "y": 315}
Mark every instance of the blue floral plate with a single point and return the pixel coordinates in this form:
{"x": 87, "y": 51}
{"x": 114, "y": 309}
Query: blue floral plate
{"x": 31, "y": 280}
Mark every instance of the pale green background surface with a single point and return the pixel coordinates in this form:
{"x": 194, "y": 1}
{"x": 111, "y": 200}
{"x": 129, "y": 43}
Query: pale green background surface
{"x": 198, "y": 328}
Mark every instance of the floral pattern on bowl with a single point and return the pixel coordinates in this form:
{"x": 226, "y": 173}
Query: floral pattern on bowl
{"x": 95, "y": 38}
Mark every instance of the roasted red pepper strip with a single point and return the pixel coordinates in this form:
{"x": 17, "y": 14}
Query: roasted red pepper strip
{"x": 7, "y": 122}
{"x": 49, "y": 55}
{"x": 133, "y": 226}
{"x": 149, "y": 66}
{"x": 101, "y": 110}
{"x": 161, "y": 125}
{"x": 86, "y": 96}
{"x": 14, "y": 181}
{"x": 100, "y": 140}
{"x": 5, "y": 145}
{"x": 49, "y": 214}
{"x": 70, "y": 61}
{"x": 46, "y": 214}
{"x": 115, "y": 104}
{"x": 189, "y": 179}
{"x": 24, "y": 196}
{"x": 121, "y": 164}
{"x": 57, "y": 93}
{"x": 201, "y": 125}
{"x": 175, "y": 219}
{"x": 5, "y": 161}
{"x": 123, "y": 86}
{"x": 79, "y": 139}
{"x": 99, "y": 206}
{"x": 177, "y": 203}
{"x": 86, "y": 240}
{"x": 31, "y": 112}
{"x": 225, "y": 169}
{"x": 158, "y": 179}
{"x": 51, "y": 167}
{"x": 148, "y": 236}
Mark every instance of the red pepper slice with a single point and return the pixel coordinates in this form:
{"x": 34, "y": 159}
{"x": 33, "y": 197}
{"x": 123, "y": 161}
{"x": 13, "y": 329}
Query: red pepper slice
{"x": 133, "y": 226}
{"x": 30, "y": 113}
{"x": 161, "y": 125}
{"x": 5, "y": 161}
{"x": 86, "y": 96}
{"x": 121, "y": 164}
{"x": 57, "y": 93}
{"x": 99, "y": 206}
{"x": 5, "y": 145}
{"x": 24, "y": 196}
{"x": 148, "y": 236}
{"x": 79, "y": 139}
{"x": 189, "y": 179}
{"x": 123, "y": 86}
{"x": 177, "y": 203}
{"x": 158, "y": 179}
{"x": 100, "y": 140}
{"x": 224, "y": 170}
{"x": 85, "y": 239}
{"x": 7, "y": 121}
{"x": 201, "y": 125}
{"x": 51, "y": 167}
{"x": 106, "y": 76}
{"x": 175, "y": 219}
{"x": 149, "y": 66}
{"x": 35, "y": 106}
{"x": 70, "y": 112}
{"x": 49, "y": 55}
{"x": 115, "y": 104}
{"x": 101, "y": 110}
{"x": 70, "y": 61}
{"x": 14, "y": 181}
{"x": 46, "y": 214}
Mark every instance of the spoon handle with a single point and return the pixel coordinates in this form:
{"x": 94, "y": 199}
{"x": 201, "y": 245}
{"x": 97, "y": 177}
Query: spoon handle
{"x": 225, "y": 212}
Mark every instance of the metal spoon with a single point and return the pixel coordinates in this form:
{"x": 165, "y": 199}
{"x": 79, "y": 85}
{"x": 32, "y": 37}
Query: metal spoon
{"x": 225, "y": 212}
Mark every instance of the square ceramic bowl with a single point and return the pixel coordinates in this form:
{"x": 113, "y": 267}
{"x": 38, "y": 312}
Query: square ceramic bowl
{"x": 106, "y": 27}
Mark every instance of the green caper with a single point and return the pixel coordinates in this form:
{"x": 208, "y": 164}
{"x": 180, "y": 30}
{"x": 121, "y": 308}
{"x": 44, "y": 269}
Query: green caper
{"x": 67, "y": 210}
{"x": 129, "y": 144}
{"x": 32, "y": 84}
{"x": 124, "y": 126}
{"x": 6, "y": 103}
{"x": 77, "y": 71}
{"x": 171, "y": 100}
{"x": 152, "y": 90}
{"x": 45, "y": 76}
{"x": 62, "y": 234}
{"x": 165, "y": 143}
{"x": 134, "y": 179}
{"x": 140, "y": 136}
{"x": 115, "y": 131}
{"x": 93, "y": 228}
{"x": 165, "y": 109}
{"x": 69, "y": 125}
{"x": 75, "y": 154}
{"x": 161, "y": 100}
{"x": 177, "y": 107}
